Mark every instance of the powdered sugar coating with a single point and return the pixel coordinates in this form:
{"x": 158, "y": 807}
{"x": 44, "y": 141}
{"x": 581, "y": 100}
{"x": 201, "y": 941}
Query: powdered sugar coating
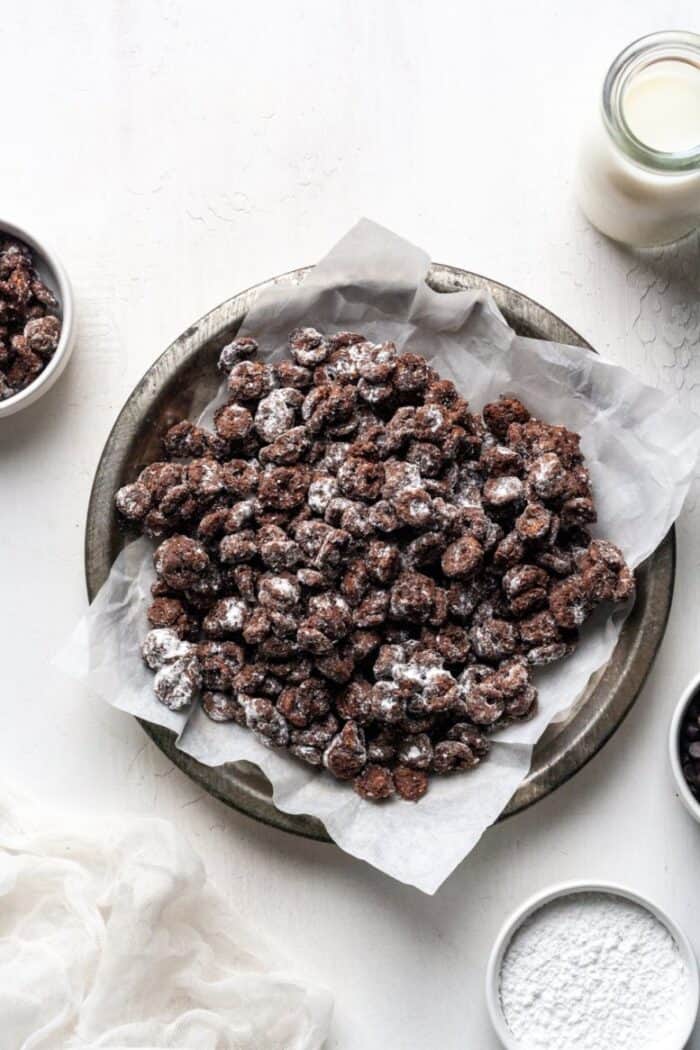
{"x": 161, "y": 646}
{"x": 275, "y": 415}
{"x": 593, "y": 971}
{"x": 177, "y": 683}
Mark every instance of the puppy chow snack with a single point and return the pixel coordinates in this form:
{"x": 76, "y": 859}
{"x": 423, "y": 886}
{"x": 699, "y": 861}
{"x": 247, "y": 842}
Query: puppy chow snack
{"x": 360, "y": 569}
{"x": 30, "y": 328}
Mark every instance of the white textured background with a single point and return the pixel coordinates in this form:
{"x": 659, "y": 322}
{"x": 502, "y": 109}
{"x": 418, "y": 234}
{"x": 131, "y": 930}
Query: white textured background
{"x": 174, "y": 153}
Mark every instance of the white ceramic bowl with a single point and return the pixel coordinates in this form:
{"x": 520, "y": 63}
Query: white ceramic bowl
{"x": 565, "y": 889}
{"x": 686, "y": 795}
{"x": 52, "y": 273}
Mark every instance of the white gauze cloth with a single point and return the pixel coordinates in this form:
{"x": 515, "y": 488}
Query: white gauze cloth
{"x": 112, "y": 936}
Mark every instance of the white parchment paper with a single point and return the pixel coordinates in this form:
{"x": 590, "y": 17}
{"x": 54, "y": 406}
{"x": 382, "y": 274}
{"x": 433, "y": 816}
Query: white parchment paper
{"x": 641, "y": 449}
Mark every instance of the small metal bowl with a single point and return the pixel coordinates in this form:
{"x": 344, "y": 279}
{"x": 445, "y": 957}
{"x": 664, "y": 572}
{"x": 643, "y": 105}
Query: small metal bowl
{"x": 51, "y": 271}
{"x": 566, "y": 889}
{"x": 674, "y": 753}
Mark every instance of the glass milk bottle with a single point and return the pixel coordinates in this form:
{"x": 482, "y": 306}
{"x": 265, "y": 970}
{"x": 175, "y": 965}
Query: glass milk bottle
{"x": 638, "y": 178}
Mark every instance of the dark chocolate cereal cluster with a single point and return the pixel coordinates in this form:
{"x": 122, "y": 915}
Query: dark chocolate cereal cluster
{"x": 361, "y": 570}
{"x": 29, "y": 326}
{"x": 689, "y": 744}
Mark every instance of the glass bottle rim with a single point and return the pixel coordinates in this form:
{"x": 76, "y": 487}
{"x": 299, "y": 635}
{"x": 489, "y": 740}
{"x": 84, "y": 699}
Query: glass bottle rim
{"x": 639, "y": 55}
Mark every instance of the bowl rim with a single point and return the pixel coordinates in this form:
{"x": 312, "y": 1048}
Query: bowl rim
{"x": 571, "y": 888}
{"x": 686, "y": 795}
{"x": 59, "y": 360}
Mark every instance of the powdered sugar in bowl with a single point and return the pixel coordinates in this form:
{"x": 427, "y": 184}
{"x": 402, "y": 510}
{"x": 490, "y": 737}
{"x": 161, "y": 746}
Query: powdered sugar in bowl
{"x": 592, "y": 966}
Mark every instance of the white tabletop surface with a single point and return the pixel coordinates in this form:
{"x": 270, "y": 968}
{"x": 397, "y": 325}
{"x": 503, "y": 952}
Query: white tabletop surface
{"x": 174, "y": 153}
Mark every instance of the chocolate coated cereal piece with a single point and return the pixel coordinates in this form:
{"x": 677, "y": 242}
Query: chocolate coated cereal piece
{"x": 375, "y": 783}
{"x": 304, "y": 703}
{"x": 266, "y": 721}
{"x": 236, "y": 351}
{"x": 184, "y": 440}
{"x": 544, "y": 627}
{"x": 427, "y": 457}
{"x": 578, "y": 511}
{"x": 478, "y": 707}
{"x": 25, "y": 367}
{"x": 523, "y": 578}
{"x": 223, "y": 707}
{"x": 361, "y": 478}
{"x": 355, "y": 702}
{"x": 337, "y": 665}
{"x": 205, "y": 477}
{"x": 494, "y": 639}
{"x": 414, "y": 507}
{"x": 225, "y": 617}
{"x": 42, "y": 334}
{"x": 250, "y": 380}
{"x": 308, "y": 347}
{"x": 383, "y": 561}
{"x": 540, "y": 655}
{"x": 283, "y": 488}
{"x": 556, "y": 560}
{"x": 523, "y": 705}
{"x": 451, "y": 756}
{"x": 452, "y": 642}
{"x": 605, "y": 574}
{"x": 275, "y": 413}
{"x": 289, "y": 448}
{"x": 411, "y": 373}
{"x": 569, "y": 602}
{"x": 388, "y": 702}
{"x": 412, "y": 597}
{"x": 133, "y": 501}
{"x": 500, "y": 414}
{"x": 177, "y": 682}
{"x": 163, "y": 645}
{"x": 534, "y": 523}
{"x": 381, "y": 749}
{"x": 179, "y": 504}
{"x": 503, "y": 491}
{"x": 479, "y": 744}
{"x": 288, "y": 374}
{"x": 240, "y": 478}
{"x": 416, "y": 752}
{"x": 181, "y": 561}
{"x": 411, "y": 784}
{"x": 233, "y": 422}
{"x": 462, "y": 558}
{"x": 170, "y": 612}
{"x": 219, "y": 662}
{"x": 240, "y": 547}
{"x": 346, "y": 754}
{"x": 363, "y": 643}
{"x": 547, "y": 476}
{"x": 528, "y": 601}
{"x": 499, "y": 459}
{"x": 463, "y": 598}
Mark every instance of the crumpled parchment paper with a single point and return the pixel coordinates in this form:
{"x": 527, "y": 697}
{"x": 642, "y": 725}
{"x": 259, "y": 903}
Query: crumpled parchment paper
{"x": 112, "y": 936}
{"x": 641, "y": 449}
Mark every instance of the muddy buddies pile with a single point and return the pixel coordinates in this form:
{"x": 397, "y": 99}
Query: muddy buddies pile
{"x": 29, "y": 327}
{"x": 358, "y": 568}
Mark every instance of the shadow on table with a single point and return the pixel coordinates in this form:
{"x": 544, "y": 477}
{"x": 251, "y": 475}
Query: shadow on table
{"x": 35, "y": 424}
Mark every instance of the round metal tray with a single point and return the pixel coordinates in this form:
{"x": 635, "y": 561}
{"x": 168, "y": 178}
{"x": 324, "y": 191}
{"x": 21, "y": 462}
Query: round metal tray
{"x": 184, "y": 379}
